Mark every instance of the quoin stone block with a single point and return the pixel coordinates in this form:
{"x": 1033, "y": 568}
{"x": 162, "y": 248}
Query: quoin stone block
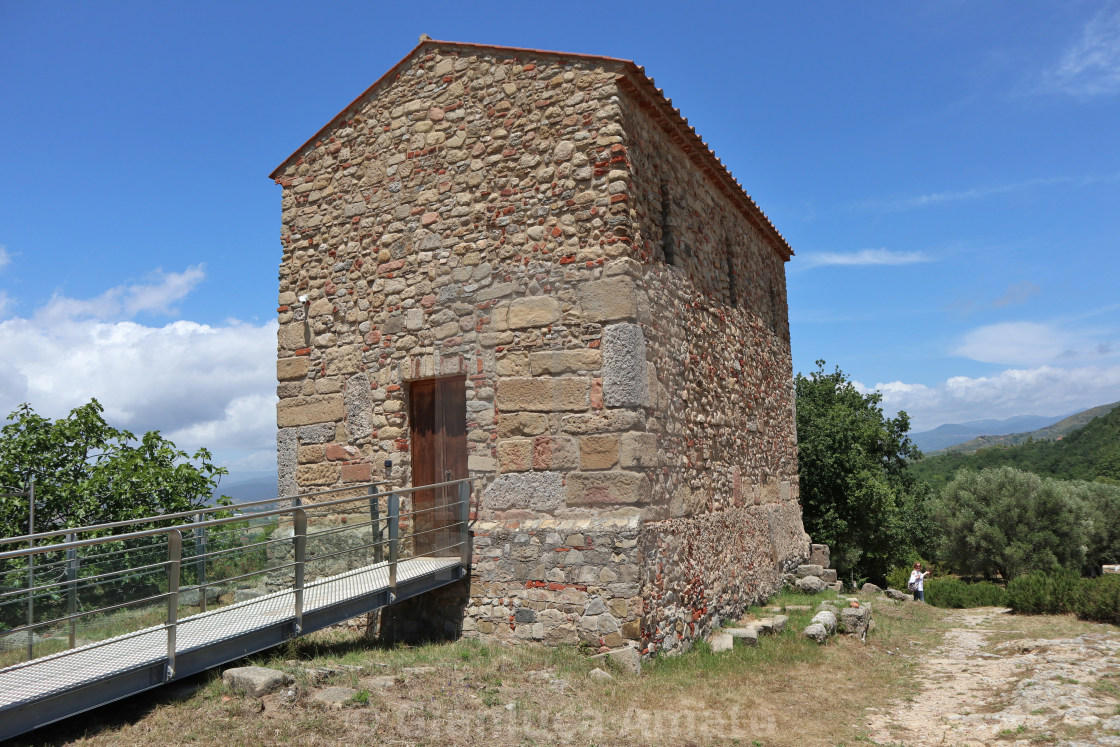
{"x": 545, "y": 234}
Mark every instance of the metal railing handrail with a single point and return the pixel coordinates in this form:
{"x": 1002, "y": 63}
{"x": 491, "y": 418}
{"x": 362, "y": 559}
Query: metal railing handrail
{"x": 11, "y": 554}
{"x": 174, "y": 564}
{"x": 184, "y": 514}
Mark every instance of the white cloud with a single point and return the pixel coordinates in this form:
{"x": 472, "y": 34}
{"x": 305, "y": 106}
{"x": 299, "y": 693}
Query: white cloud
{"x": 126, "y": 301}
{"x": 863, "y": 257}
{"x": 5, "y": 257}
{"x": 1032, "y": 343}
{"x": 1091, "y": 67}
{"x": 1044, "y": 390}
{"x": 199, "y": 384}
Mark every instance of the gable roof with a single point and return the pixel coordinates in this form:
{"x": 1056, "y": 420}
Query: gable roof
{"x": 633, "y": 81}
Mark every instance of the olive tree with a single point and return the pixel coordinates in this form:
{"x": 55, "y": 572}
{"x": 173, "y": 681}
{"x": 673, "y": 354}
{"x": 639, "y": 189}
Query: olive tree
{"x": 1009, "y": 522}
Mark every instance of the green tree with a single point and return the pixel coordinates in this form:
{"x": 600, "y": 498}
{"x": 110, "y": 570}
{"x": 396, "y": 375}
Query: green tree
{"x": 88, "y": 472}
{"x": 1009, "y": 522}
{"x": 857, "y": 492}
{"x": 1101, "y": 502}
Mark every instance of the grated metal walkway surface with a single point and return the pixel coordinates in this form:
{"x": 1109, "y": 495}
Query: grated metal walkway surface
{"x": 57, "y": 674}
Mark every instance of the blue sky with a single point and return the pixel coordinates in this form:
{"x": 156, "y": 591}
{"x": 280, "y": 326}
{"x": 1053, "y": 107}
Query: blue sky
{"x": 947, "y": 173}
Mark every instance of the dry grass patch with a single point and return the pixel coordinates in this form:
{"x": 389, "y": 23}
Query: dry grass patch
{"x": 1019, "y": 627}
{"x": 786, "y": 691}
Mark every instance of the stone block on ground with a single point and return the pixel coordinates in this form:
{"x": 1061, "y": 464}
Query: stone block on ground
{"x": 334, "y": 697}
{"x": 244, "y": 595}
{"x": 797, "y": 608}
{"x": 870, "y": 589}
{"x": 854, "y": 620}
{"x": 898, "y": 596}
{"x": 827, "y": 618}
{"x": 810, "y": 585}
{"x": 191, "y": 596}
{"x": 627, "y": 658}
{"x": 18, "y": 641}
{"x": 747, "y": 635}
{"x": 828, "y": 575}
{"x": 765, "y": 626}
{"x": 255, "y": 681}
{"x": 780, "y": 623}
{"x": 837, "y": 586}
{"x": 600, "y": 675}
{"x": 819, "y": 555}
{"x": 809, "y": 570}
{"x": 721, "y": 642}
{"x": 817, "y": 632}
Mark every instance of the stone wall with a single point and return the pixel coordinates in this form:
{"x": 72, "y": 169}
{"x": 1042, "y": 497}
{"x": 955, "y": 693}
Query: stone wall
{"x": 725, "y": 520}
{"x": 458, "y": 222}
{"x": 556, "y": 581}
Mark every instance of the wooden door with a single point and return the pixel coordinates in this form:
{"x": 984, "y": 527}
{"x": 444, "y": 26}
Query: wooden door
{"x": 438, "y": 424}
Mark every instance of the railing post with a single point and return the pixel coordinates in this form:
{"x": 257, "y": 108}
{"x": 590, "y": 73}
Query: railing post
{"x": 394, "y": 535}
{"x": 174, "y": 561}
{"x": 375, "y": 519}
{"x": 464, "y": 521}
{"x": 299, "y": 537}
{"x": 31, "y": 572}
{"x": 72, "y": 588}
{"x": 200, "y": 564}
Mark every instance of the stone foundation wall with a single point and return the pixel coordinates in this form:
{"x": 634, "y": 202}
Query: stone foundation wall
{"x": 700, "y": 571}
{"x": 555, "y": 581}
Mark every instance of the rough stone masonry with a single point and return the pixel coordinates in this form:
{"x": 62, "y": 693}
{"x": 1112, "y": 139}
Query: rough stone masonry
{"x": 546, "y": 226}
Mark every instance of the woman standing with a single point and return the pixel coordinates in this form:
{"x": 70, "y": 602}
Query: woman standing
{"x": 916, "y": 583}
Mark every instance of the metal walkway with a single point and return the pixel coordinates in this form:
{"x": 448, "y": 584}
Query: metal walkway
{"x": 47, "y": 688}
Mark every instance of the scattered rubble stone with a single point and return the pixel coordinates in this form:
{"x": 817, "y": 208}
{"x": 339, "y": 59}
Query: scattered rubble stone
{"x": 809, "y": 570}
{"x": 854, "y": 621}
{"x": 827, "y": 618}
{"x": 600, "y": 675}
{"x": 898, "y": 596}
{"x": 334, "y": 697}
{"x": 245, "y": 595}
{"x": 748, "y": 635}
{"x": 720, "y": 642}
{"x": 627, "y": 658}
{"x": 810, "y": 585}
{"x": 255, "y": 681}
{"x": 817, "y": 632}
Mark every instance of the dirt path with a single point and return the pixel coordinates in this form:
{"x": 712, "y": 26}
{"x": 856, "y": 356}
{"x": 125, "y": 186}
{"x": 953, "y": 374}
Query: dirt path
{"x": 1012, "y": 680}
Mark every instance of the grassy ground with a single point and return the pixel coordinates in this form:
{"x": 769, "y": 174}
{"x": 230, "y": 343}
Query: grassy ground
{"x": 785, "y": 691}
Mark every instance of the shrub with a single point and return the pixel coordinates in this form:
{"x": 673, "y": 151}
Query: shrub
{"x": 957, "y": 594}
{"x": 1098, "y": 599}
{"x": 1009, "y": 522}
{"x": 1039, "y": 593}
{"x": 899, "y": 577}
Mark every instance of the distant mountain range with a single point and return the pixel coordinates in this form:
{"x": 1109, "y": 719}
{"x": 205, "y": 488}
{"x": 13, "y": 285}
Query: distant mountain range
{"x": 1085, "y": 446}
{"x": 1050, "y": 432}
{"x": 255, "y": 489}
{"x": 952, "y": 434}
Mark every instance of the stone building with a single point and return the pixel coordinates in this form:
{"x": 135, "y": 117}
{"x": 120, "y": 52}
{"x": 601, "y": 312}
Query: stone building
{"x": 526, "y": 266}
